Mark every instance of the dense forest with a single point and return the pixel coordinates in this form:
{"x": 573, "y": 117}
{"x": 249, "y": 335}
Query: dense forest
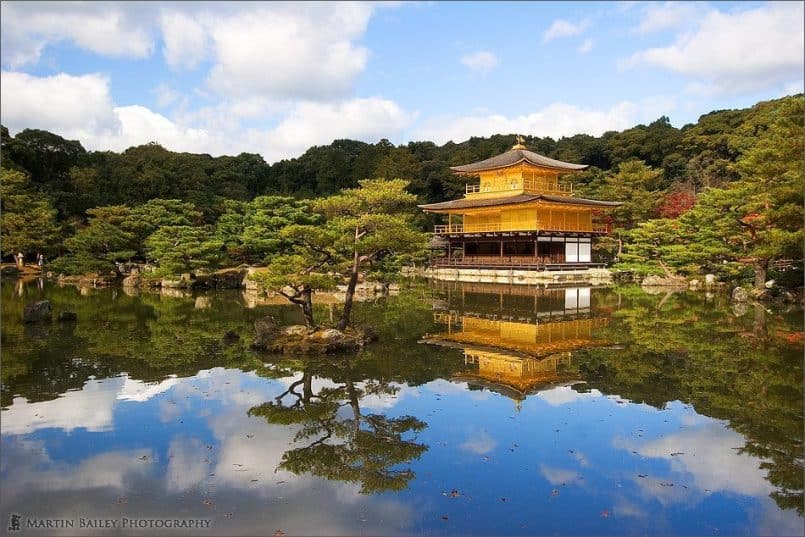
{"x": 723, "y": 195}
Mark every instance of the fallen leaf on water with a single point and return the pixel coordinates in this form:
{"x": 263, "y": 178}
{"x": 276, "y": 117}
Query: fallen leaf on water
{"x": 444, "y": 517}
{"x": 555, "y": 492}
{"x": 605, "y": 514}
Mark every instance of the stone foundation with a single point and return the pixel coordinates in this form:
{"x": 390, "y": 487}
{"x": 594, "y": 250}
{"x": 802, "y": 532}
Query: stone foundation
{"x": 513, "y": 276}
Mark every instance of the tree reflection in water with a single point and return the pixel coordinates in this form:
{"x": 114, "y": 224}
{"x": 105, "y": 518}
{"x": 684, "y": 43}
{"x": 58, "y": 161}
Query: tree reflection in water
{"x": 356, "y": 447}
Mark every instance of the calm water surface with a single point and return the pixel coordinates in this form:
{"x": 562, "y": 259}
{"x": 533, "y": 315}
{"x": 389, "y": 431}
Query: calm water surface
{"x": 484, "y": 410}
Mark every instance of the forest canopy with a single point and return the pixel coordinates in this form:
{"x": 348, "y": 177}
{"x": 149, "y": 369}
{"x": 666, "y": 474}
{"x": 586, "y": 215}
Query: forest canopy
{"x": 730, "y": 184}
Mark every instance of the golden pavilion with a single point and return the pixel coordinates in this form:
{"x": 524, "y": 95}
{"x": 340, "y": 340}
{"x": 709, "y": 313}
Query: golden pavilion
{"x": 519, "y": 215}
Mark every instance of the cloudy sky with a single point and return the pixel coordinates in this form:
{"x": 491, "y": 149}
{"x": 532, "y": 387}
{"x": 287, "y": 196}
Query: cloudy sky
{"x": 275, "y": 78}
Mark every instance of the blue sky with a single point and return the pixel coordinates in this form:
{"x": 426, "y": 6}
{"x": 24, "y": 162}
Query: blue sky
{"x": 275, "y": 78}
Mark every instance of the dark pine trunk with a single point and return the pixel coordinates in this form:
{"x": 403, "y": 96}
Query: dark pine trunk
{"x": 307, "y": 308}
{"x": 353, "y": 282}
{"x": 761, "y": 272}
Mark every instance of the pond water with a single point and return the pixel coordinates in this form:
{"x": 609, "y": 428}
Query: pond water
{"x": 484, "y": 410}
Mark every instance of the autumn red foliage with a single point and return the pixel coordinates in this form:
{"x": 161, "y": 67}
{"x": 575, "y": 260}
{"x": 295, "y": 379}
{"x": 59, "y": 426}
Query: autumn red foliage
{"x": 676, "y": 203}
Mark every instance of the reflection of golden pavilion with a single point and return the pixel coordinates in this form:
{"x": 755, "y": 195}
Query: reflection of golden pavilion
{"x": 532, "y": 339}
{"x": 518, "y": 356}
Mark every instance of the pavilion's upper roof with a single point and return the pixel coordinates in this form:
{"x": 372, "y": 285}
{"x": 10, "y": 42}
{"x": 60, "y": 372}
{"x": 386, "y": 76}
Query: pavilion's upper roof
{"x": 515, "y": 156}
{"x": 471, "y": 203}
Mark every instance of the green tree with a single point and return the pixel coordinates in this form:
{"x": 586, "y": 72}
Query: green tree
{"x": 757, "y": 218}
{"x": 636, "y": 185}
{"x": 149, "y": 217}
{"x": 306, "y": 269}
{"x": 370, "y": 222}
{"x": 28, "y": 218}
{"x": 177, "y": 249}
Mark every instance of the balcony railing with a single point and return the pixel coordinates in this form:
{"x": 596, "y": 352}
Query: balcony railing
{"x": 525, "y": 184}
{"x": 512, "y": 261}
{"x": 537, "y": 226}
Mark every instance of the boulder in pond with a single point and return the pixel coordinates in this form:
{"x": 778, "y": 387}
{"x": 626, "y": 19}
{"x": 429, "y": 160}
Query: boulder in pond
{"x": 231, "y": 336}
{"x": 295, "y": 330}
{"x": 328, "y": 334}
{"x": 37, "y": 312}
{"x": 67, "y": 317}
{"x": 659, "y": 281}
{"x": 265, "y": 332}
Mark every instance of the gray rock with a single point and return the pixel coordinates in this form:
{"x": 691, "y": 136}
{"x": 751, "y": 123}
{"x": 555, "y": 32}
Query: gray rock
{"x": 296, "y": 330}
{"x": 709, "y": 279}
{"x": 329, "y": 335}
{"x": 659, "y": 281}
{"x": 739, "y": 294}
{"x": 173, "y": 284}
{"x": 265, "y": 331}
{"x": 770, "y": 284}
{"x": 694, "y": 284}
{"x": 67, "y": 317}
{"x": 37, "y": 312}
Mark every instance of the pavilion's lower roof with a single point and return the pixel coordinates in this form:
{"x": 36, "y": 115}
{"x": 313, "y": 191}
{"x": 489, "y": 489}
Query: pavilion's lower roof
{"x": 470, "y": 203}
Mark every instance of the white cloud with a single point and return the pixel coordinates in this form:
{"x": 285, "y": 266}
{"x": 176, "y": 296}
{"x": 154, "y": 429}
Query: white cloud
{"x": 139, "y": 391}
{"x": 186, "y": 465}
{"x": 166, "y": 95}
{"x": 586, "y": 46}
{"x": 562, "y": 28}
{"x": 481, "y": 61}
{"x": 555, "y": 120}
{"x": 279, "y": 50}
{"x": 709, "y": 454}
{"x": 313, "y": 123}
{"x": 79, "y": 107}
{"x": 667, "y": 15}
{"x": 185, "y": 40}
{"x": 733, "y": 53}
{"x": 299, "y": 50}
{"x": 91, "y": 408}
{"x": 104, "y": 28}
{"x": 558, "y": 476}
{"x": 74, "y": 106}
{"x": 479, "y": 443}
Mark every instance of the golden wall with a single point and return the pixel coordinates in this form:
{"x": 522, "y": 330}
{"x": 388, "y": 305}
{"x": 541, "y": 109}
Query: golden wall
{"x": 529, "y": 219}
